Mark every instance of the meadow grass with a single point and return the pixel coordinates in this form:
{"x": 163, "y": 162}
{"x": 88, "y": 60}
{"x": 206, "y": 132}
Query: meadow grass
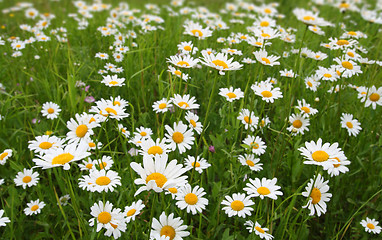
{"x": 30, "y": 82}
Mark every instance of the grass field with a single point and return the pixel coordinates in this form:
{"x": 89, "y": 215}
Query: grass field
{"x": 107, "y": 64}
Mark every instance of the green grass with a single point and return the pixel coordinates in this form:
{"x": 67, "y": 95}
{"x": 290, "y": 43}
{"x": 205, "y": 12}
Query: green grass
{"x": 147, "y": 80}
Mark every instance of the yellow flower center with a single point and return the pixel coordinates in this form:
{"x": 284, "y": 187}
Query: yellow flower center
{"x": 264, "y": 24}
{"x": 306, "y": 109}
{"x": 50, "y": 110}
{"x": 81, "y": 130}
{"x": 297, "y": 123}
{"x": 168, "y": 231}
{"x": 102, "y": 165}
{"x": 102, "y": 181}
{"x": 374, "y": 97}
{"x": 347, "y": 65}
{"x": 243, "y": 37}
{"x": 177, "y": 137}
{"x": 92, "y": 120}
{"x": 259, "y": 229}
{"x": 237, "y": 205}
{"x": 320, "y": 156}
{"x": 349, "y": 125}
{"x": 255, "y": 145}
{"x": 131, "y": 212}
{"x": 267, "y": 10}
{"x": 177, "y": 72}
{"x": 197, "y": 33}
{"x": 263, "y": 190}
{"x": 344, "y": 5}
{"x": 259, "y": 44}
{"x": 92, "y": 144}
{"x": 266, "y": 94}
{"x": 173, "y": 190}
{"x": 89, "y": 166}
{"x": 265, "y": 35}
{"x": 315, "y": 195}
{"x": 162, "y": 105}
{"x": 181, "y": 63}
{"x": 27, "y": 179}
{"x": 350, "y": 54}
{"x": 62, "y": 159}
{"x": 116, "y": 103}
{"x": 327, "y": 75}
{"x": 110, "y": 110}
{"x": 337, "y": 165}
{"x": 155, "y": 150}
{"x": 266, "y": 60}
{"x": 45, "y": 145}
{"x": 309, "y": 18}
{"x": 370, "y": 226}
{"x": 104, "y": 217}
{"x": 143, "y": 134}
{"x": 247, "y": 120}
{"x": 191, "y": 199}
{"x": 159, "y": 179}
{"x": 220, "y": 63}
{"x": 195, "y": 164}
{"x": 34, "y": 207}
{"x": 352, "y": 33}
{"x": 193, "y": 123}
{"x": 187, "y": 48}
{"x": 231, "y": 95}
{"x": 310, "y": 84}
{"x": 250, "y": 163}
{"x": 181, "y": 104}
{"x": 342, "y": 42}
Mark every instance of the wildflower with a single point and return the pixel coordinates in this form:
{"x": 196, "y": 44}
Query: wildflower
{"x": 179, "y": 137}
{"x": 184, "y": 102}
{"x": 220, "y": 62}
{"x": 318, "y": 195}
{"x": 231, "y": 94}
{"x": 263, "y": 188}
{"x": 191, "y": 199}
{"x": 7, "y": 153}
{"x": 260, "y": 231}
{"x": 248, "y": 119}
{"x": 34, "y": 207}
{"x": 256, "y": 144}
{"x": 26, "y": 178}
{"x": 373, "y": 97}
{"x": 133, "y": 210}
{"x": 299, "y": 124}
{"x": 199, "y": 163}
{"x": 168, "y": 227}
{"x": 352, "y": 125}
{"x": 113, "y": 81}
{"x": 266, "y": 91}
{"x": 250, "y": 161}
{"x": 3, "y": 220}
{"x": 238, "y": 204}
{"x": 50, "y": 110}
{"x": 371, "y": 225}
{"x": 263, "y": 58}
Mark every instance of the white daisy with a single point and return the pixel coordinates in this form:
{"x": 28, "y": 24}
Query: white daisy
{"x": 168, "y": 226}
{"x": 3, "y": 220}
{"x": 178, "y": 73}
{"x": 44, "y": 143}
{"x": 151, "y": 148}
{"x": 250, "y": 161}
{"x": 185, "y": 61}
{"x": 305, "y": 108}
{"x": 104, "y": 215}
{"x": 26, "y": 178}
{"x": 191, "y": 199}
{"x": 196, "y": 30}
{"x": 352, "y": 125}
{"x": 185, "y": 102}
{"x": 259, "y": 231}
{"x": 80, "y": 128}
{"x": 318, "y": 195}
{"x": 162, "y": 105}
{"x": 238, "y": 204}
{"x": 263, "y": 188}
{"x": 231, "y": 94}
{"x": 373, "y": 97}
{"x": 263, "y": 58}
{"x": 220, "y": 62}
{"x": 133, "y": 210}
{"x": 371, "y": 225}
{"x": 320, "y": 154}
{"x": 50, "y": 110}
{"x": 266, "y": 91}
{"x": 7, "y": 153}
{"x": 299, "y": 124}
{"x": 249, "y": 119}
{"x": 199, "y": 163}
{"x": 113, "y": 81}
{"x": 193, "y": 121}
{"x": 34, "y": 207}
{"x": 256, "y": 144}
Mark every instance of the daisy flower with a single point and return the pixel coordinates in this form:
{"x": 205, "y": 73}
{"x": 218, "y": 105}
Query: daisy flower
{"x": 184, "y": 102}
{"x": 187, "y": 47}
{"x": 161, "y": 106}
{"x": 258, "y": 42}
{"x": 256, "y": 144}
{"x": 337, "y": 167}
{"x": 151, "y": 148}
{"x": 263, "y": 58}
{"x": 328, "y": 74}
{"x": 123, "y": 130}
{"x": 191, "y": 199}
{"x": 102, "y": 56}
{"x": 26, "y": 178}
{"x": 115, "y": 229}
{"x": 352, "y": 125}
{"x": 347, "y": 67}
{"x": 231, "y": 94}
{"x": 185, "y": 61}
{"x": 196, "y": 30}
{"x": 264, "y": 122}
{"x": 105, "y": 163}
{"x": 62, "y": 156}
{"x": 373, "y": 97}
{"x": 18, "y": 45}
{"x": 193, "y": 121}
{"x": 288, "y": 73}
{"x": 143, "y": 132}
{"x": 50, "y": 110}
{"x": 370, "y": 225}
{"x": 102, "y": 180}
{"x": 113, "y": 81}
{"x": 80, "y": 129}
{"x": 305, "y": 108}
{"x": 104, "y": 215}
{"x": 249, "y": 119}
{"x": 7, "y": 153}
{"x": 342, "y": 43}
{"x": 86, "y": 165}
{"x": 310, "y": 18}
{"x": 250, "y": 161}
{"x": 312, "y": 83}
{"x": 266, "y": 91}
{"x": 168, "y": 227}
{"x": 178, "y": 73}
{"x": 220, "y": 62}
{"x": 259, "y": 231}
{"x": 238, "y": 204}
{"x": 320, "y": 154}
{"x": 263, "y": 188}
{"x": 64, "y": 200}
{"x": 34, "y": 207}
{"x": 156, "y": 174}
{"x": 299, "y": 124}
{"x": 118, "y": 57}
{"x": 133, "y": 210}
{"x": 3, "y": 220}
{"x": 231, "y": 51}
{"x": 106, "y": 109}
{"x": 199, "y": 163}
{"x": 316, "y": 30}
{"x": 179, "y": 137}
{"x": 42, "y": 144}
{"x": 318, "y": 195}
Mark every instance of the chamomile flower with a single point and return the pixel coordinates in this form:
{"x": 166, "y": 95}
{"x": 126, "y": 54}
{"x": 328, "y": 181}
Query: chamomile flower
{"x": 18, "y": 45}
{"x": 178, "y": 73}
{"x": 317, "y": 191}
{"x": 373, "y": 97}
{"x": 7, "y": 153}
{"x": 305, "y": 108}
{"x": 162, "y": 105}
{"x": 185, "y": 102}
{"x": 144, "y": 133}
{"x": 26, "y": 178}
{"x": 34, "y": 207}
{"x": 347, "y": 67}
{"x": 113, "y": 81}
{"x": 199, "y": 163}
{"x": 187, "y": 48}
{"x": 220, "y": 62}
{"x": 62, "y": 156}
{"x": 249, "y": 119}
{"x": 106, "y": 109}
{"x": 50, "y": 110}
{"x": 64, "y": 200}
{"x": 328, "y": 74}
{"x": 250, "y": 161}
{"x": 179, "y": 137}
{"x": 118, "y": 57}
{"x": 299, "y": 124}
{"x": 309, "y": 17}
{"x": 263, "y": 58}
{"x": 371, "y": 225}
{"x": 258, "y": 42}
{"x": 156, "y": 174}
{"x": 80, "y": 129}
{"x": 256, "y": 144}
{"x": 106, "y": 162}
{"x": 184, "y": 61}
{"x": 267, "y": 92}
{"x": 115, "y": 229}
{"x": 337, "y": 167}
{"x": 104, "y": 215}
{"x": 288, "y": 73}
{"x": 316, "y": 30}
{"x": 312, "y": 83}
{"x": 123, "y": 130}
{"x": 103, "y": 180}
{"x": 231, "y": 94}
{"x": 238, "y": 204}
{"x": 352, "y": 125}
{"x": 3, "y": 220}
{"x": 320, "y": 154}
{"x": 133, "y": 210}
{"x": 193, "y": 121}
{"x": 42, "y": 144}
{"x": 102, "y": 56}
{"x": 168, "y": 227}
{"x": 196, "y": 30}
{"x": 191, "y": 199}
{"x": 263, "y": 188}
{"x": 259, "y": 231}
